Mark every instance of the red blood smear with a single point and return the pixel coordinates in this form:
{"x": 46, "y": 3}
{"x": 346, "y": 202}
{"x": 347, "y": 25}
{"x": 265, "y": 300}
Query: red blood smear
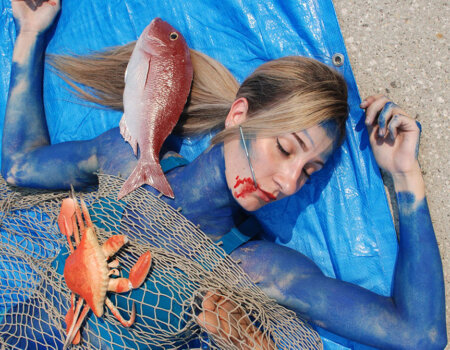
{"x": 247, "y": 186}
{"x": 52, "y": 3}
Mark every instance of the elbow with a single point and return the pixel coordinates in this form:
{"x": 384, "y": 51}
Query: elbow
{"x": 431, "y": 339}
{"x": 8, "y": 172}
{"x": 438, "y": 342}
{"x": 11, "y": 171}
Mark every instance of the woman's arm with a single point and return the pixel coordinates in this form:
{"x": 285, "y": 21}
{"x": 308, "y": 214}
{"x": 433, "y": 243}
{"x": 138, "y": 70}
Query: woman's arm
{"x": 414, "y": 317}
{"x": 28, "y": 159}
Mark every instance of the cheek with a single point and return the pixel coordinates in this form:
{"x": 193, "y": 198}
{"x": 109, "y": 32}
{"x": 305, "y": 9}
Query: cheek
{"x": 260, "y": 154}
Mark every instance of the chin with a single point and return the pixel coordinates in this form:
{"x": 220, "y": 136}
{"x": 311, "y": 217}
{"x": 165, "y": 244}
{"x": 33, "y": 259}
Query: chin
{"x": 250, "y": 204}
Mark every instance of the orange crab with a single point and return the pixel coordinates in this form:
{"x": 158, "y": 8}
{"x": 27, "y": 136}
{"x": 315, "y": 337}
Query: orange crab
{"x": 87, "y": 271}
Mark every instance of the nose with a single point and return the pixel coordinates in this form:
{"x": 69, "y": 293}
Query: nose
{"x": 289, "y": 179}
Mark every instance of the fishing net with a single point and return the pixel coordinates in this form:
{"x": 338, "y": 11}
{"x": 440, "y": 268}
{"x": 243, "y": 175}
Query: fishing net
{"x": 188, "y": 274}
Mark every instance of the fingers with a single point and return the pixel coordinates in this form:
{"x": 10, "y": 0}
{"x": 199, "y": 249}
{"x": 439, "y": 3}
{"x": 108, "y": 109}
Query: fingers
{"x": 380, "y": 112}
{"x": 375, "y": 104}
{"x": 369, "y": 100}
{"x": 385, "y": 117}
{"x": 401, "y": 123}
{"x": 228, "y": 320}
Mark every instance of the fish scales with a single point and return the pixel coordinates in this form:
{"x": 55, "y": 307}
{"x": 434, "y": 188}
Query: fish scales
{"x": 157, "y": 84}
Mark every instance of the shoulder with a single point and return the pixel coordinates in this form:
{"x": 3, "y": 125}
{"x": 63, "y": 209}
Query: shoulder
{"x": 115, "y": 155}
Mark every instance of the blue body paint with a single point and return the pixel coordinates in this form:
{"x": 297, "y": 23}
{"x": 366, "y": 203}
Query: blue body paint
{"x": 418, "y": 140}
{"x": 306, "y": 133}
{"x": 295, "y": 281}
{"x": 382, "y": 117}
{"x": 413, "y": 318}
{"x": 202, "y": 192}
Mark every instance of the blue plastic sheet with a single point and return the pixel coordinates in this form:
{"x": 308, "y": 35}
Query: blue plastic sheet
{"x": 340, "y": 219}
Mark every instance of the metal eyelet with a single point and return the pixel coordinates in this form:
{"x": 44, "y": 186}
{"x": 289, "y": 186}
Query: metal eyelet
{"x": 338, "y": 59}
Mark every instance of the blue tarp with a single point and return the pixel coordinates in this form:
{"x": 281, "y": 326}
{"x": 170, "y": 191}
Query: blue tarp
{"x": 340, "y": 219}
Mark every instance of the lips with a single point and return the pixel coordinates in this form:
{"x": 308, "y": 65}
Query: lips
{"x": 265, "y": 196}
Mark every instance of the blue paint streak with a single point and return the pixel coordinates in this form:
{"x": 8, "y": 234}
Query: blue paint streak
{"x": 201, "y": 190}
{"x": 412, "y": 318}
{"x": 382, "y": 118}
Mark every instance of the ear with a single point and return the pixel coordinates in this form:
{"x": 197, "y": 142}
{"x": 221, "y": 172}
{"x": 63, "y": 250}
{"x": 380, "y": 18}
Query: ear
{"x": 237, "y": 113}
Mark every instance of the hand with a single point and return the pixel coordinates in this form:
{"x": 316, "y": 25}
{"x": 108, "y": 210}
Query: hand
{"x": 227, "y": 321}
{"x": 393, "y": 135}
{"x": 35, "y": 15}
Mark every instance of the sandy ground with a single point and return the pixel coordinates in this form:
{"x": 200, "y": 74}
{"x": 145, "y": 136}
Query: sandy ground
{"x": 401, "y": 49}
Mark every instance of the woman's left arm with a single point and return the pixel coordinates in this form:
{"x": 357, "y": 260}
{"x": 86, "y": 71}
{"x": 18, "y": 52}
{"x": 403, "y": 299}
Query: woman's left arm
{"x": 414, "y": 316}
{"x": 418, "y": 290}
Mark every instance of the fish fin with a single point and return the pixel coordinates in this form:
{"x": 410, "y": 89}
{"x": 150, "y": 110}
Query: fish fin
{"x": 127, "y": 135}
{"x": 149, "y": 72}
{"x": 146, "y": 173}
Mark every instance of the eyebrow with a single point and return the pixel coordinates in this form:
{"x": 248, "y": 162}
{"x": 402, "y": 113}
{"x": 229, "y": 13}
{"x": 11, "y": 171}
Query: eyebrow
{"x": 301, "y": 142}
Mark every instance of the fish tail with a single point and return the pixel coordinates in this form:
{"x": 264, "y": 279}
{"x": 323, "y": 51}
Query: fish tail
{"x": 149, "y": 173}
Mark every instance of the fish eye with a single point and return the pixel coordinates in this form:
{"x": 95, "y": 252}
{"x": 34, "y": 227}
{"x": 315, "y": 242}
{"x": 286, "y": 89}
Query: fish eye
{"x": 173, "y": 36}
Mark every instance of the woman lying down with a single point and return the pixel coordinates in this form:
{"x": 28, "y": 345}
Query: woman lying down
{"x": 276, "y": 130}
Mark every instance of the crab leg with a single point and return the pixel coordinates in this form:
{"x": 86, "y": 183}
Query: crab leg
{"x": 86, "y": 215}
{"x": 113, "y": 244}
{"x": 114, "y": 263}
{"x": 66, "y": 225}
{"x": 70, "y": 319}
{"x": 76, "y": 232}
{"x": 137, "y": 275}
{"x": 71, "y": 334}
{"x": 119, "y": 316}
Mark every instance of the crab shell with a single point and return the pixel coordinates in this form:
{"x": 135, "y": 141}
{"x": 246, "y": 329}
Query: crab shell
{"x": 86, "y": 272}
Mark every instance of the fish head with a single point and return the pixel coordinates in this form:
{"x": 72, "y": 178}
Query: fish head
{"x": 161, "y": 39}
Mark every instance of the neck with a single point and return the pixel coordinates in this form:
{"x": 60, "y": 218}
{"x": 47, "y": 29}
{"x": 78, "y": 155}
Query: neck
{"x": 201, "y": 191}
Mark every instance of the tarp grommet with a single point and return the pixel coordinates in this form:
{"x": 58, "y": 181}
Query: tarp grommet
{"x": 338, "y": 59}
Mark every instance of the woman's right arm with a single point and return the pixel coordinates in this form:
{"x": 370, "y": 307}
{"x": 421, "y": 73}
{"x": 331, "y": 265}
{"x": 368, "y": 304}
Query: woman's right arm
{"x": 28, "y": 159}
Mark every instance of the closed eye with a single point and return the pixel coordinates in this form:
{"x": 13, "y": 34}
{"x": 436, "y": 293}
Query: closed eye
{"x": 282, "y": 150}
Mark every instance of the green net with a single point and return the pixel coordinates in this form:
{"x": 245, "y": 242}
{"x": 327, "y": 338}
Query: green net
{"x": 195, "y": 295}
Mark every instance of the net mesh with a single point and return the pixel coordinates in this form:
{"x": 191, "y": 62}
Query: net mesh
{"x": 195, "y": 296}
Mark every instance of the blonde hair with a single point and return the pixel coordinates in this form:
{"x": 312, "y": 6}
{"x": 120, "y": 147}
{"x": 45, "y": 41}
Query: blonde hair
{"x": 290, "y": 94}
{"x": 285, "y": 95}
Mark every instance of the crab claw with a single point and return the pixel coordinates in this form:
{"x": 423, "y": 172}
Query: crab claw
{"x": 139, "y": 271}
{"x": 65, "y": 217}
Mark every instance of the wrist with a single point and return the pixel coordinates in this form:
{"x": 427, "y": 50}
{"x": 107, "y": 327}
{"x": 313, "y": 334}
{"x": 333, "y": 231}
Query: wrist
{"x": 29, "y": 33}
{"x": 27, "y": 44}
{"x": 411, "y": 181}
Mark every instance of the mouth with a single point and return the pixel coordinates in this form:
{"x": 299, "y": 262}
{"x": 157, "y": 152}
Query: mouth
{"x": 265, "y": 196}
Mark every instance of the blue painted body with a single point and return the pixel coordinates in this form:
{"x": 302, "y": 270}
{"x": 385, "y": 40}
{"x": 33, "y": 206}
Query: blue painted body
{"x": 413, "y": 317}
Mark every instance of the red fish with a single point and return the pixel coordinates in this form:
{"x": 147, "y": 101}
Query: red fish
{"x": 157, "y": 84}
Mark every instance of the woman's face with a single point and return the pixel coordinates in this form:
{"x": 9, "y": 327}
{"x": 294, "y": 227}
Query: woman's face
{"x": 281, "y": 164}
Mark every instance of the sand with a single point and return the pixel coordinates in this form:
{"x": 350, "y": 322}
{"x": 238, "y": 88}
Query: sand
{"x": 401, "y": 49}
